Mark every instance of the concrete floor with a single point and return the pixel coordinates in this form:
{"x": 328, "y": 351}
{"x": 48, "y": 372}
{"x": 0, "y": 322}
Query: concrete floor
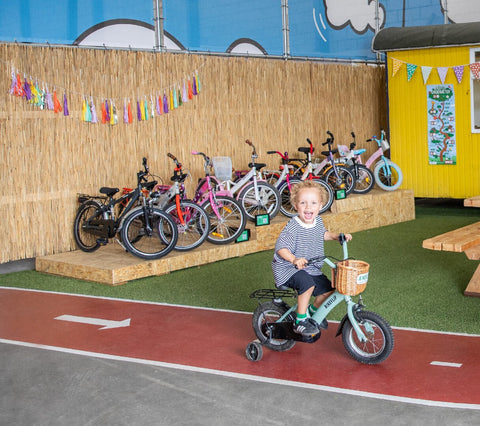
{"x": 46, "y": 387}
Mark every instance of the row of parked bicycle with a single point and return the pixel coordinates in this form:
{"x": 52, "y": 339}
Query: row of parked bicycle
{"x": 152, "y": 219}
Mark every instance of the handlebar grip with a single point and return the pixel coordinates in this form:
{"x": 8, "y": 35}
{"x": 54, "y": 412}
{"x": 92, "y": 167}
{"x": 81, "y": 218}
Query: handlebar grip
{"x": 144, "y": 162}
{"x": 195, "y": 152}
{"x": 341, "y": 238}
{"x": 329, "y": 133}
{"x": 271, "y": 152}
{"x": 172, "y": 157}
{"x": 247, "y": 141}
{"x": 353, "y": 134}
{"x": 370, "y": 140}
{"x": 309, "y": 141}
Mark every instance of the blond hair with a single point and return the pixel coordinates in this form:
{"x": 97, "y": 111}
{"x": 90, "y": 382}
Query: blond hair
{"x": 306, "y": 184}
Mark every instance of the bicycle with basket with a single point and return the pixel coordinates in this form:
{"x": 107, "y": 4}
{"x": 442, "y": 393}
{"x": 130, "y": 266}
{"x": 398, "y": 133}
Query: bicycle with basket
{"x": 366, "y": 336}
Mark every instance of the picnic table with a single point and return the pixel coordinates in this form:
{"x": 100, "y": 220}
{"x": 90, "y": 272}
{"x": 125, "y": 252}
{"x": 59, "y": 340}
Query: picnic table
{"x": 465, "y": 239}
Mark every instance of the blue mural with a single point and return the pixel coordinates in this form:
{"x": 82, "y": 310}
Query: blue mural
{"x": 340, "y": 29}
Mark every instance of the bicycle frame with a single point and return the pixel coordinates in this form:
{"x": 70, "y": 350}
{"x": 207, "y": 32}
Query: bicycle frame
{"x": 377, "y": 154}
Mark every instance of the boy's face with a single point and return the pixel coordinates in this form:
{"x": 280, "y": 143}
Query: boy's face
{"x": 308, "y": 205}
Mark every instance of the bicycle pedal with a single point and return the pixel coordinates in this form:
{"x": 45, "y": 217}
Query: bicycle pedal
{"x": 102, "y": 241}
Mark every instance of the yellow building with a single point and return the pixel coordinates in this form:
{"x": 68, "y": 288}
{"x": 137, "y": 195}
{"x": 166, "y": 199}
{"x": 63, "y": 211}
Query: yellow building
{"x": 434, "y": 107}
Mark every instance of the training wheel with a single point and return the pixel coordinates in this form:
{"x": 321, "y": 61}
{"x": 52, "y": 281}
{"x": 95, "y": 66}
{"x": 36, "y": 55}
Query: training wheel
{"x": 254, "y": 351}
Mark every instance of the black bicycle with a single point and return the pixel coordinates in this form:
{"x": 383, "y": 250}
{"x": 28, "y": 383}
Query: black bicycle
{"x": 143, "y": 230}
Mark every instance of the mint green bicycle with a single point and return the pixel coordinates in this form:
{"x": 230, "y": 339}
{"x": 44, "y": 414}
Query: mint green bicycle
{"x": 367, "y": 337}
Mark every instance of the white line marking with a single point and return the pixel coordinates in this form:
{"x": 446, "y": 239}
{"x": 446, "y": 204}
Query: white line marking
{"x": 446, "y": 364}
{"x": 252, "y": 377}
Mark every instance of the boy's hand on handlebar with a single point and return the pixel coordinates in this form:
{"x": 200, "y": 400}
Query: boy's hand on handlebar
{"x": 300, "y": 262}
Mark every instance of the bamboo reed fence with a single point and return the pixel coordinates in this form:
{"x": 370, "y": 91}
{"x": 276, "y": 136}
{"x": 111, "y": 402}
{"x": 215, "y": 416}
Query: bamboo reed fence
{"x": 48, "y": 158}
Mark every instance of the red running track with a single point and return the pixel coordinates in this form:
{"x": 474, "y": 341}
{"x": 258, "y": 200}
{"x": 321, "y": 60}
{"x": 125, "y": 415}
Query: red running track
{"x": 216, "y": 340}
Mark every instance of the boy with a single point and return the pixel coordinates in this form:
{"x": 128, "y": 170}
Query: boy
{"x": 301, "y": 239}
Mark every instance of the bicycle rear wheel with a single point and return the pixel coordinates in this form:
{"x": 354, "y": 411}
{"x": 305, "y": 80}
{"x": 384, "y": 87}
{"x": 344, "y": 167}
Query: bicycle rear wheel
{"x": 86, "y": 241}
{"x": 196, "y": 225}
{"x": 227, "y": 219}
{"x": 268, "y": 201}
{"x": 154, "y": 241}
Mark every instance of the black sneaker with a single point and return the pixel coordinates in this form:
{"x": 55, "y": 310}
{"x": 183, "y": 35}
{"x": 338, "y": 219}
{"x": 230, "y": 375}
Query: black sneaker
{"x": 306, "y": 328}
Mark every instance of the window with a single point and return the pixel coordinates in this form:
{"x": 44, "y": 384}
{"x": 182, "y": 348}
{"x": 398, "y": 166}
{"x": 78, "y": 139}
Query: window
{"x": 475, "y": 93}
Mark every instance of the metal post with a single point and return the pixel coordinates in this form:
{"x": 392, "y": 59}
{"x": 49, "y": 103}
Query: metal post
{"x": 445, "y": 12}
{"x": 158, "y": 23}
{"x": 285, "y": 29}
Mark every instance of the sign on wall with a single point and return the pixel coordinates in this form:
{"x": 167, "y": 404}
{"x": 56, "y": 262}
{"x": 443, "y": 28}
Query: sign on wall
{"x": 441, "y": 124}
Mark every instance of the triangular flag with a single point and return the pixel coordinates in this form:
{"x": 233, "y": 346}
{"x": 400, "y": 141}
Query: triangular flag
{"x": 411, "y": 68}
{"x": 442, "y": 73}
{"x": 129, "y": 110}
{"x": 475, "y": 69}
{"x": 65, "y": 105}
{"x": 56, "y": 103}
{"x": 396, "y": 64}
{"x": 458, "y": 70}
{"x": 93, "y": 110}
{"x": 426, "y": 73}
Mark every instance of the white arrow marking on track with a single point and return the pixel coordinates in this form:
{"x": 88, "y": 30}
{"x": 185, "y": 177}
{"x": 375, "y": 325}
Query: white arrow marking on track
{"x": 96, "y": 321}
{"x": 446, "y": 364}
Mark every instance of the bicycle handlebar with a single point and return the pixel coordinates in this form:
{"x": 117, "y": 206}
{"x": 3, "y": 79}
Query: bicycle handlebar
{"x": 284, "y": 156}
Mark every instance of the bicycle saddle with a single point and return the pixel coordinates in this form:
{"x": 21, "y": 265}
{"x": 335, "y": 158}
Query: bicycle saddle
{"x": 258, "y": 166}
{"x": 109, "y": 192}
{"x": 327, "y": 153}
{"x": 305, "y": 149}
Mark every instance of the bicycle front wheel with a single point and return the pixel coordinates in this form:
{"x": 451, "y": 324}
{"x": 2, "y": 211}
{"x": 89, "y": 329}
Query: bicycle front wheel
{"x": 267, "y": 201}
{"x": 86, "y": 241}
{"x": 227, "y": 219}
{"x": 194, "y": 231}
{"x": 388, "y": 178}
{"x": 364, "y": 179}
{"x": 342, "y": 179}
{"x": 149, "y": 233}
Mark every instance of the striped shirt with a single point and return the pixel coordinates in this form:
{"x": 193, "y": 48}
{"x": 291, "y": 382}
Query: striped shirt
{"x": 302, "y": 240}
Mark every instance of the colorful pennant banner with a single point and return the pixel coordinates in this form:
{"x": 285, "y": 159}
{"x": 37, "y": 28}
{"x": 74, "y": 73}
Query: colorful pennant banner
{"x": 147, "y": 106}
{"x": 442, "y": 71}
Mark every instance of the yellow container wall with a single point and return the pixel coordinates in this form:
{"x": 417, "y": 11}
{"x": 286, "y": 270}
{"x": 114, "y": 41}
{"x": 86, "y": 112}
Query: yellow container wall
{"x": 409, "y": 125}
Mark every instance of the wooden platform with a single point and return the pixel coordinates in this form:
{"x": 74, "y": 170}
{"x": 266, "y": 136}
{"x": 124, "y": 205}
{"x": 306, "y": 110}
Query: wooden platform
{"x": 113, "y": 266}
{"x": 465, "y": 239}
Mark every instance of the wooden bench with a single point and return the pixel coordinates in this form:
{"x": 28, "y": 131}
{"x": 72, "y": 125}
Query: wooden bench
{"x": 467, "y": 240}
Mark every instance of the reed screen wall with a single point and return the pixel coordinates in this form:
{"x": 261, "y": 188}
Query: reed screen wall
{"x": 48, "y": 158}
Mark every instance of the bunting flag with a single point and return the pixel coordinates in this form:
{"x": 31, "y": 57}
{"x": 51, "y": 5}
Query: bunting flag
{"x": 396, "y": 64}
{"x": 130, "y": 114}
{"x": 411, "y": 70}
{"x": 475, "y": 69}
{"x": 93, "y": 111}
{"x": 65, "y": 105}
{"x": 442, "y": 73}
{"x": 458, "y": 70}
{"x": 56, "y": 103}
{"x": 176, "y": 95}
{"x": 426, "y": 73}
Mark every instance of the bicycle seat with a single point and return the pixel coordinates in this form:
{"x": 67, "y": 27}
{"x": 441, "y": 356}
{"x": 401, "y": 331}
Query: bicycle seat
{"x": 327, "y": 153}
{"x": 258, "y": 166}
{"x": 109, "y": 192}
{"x": 305, "y": 149}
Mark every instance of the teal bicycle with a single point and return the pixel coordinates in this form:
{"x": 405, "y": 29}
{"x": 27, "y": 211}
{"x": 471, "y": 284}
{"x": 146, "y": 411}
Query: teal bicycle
{"x": 367, "y": 337}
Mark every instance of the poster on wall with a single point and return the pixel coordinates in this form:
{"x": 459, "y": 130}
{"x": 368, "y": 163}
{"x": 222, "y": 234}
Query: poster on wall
{"x": 441, "y": 124}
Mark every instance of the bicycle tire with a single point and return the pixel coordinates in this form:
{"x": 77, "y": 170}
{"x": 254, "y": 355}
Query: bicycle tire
{"x": 286, "y": 207}
{"x": 269, "y": 202}
{"x": 388, "y": 181}
{"x": 149, "y": 244}
{"x": 265, "y": 314}
{"x": 230, "y": 223}
{"x": 86, "y": 241}
{"x": 345, "y": 179}
{"x": 196, "y": 228}
{"x": 380, "y": 337}
{"x": 364, "y": 178}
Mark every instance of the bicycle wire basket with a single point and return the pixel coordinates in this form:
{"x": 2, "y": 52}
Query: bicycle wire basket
{"x": 223, "y": 168}
{"x": 350, "y": 276}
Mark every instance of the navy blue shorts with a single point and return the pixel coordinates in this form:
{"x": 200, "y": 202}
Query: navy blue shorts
{"x": 302, "y": 281}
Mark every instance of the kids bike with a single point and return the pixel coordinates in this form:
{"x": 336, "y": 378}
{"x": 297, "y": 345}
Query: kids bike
{"x": 367, "y": 337}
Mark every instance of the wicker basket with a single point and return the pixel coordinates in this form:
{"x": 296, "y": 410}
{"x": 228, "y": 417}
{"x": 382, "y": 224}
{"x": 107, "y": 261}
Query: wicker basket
{"x": 351, "y": 276}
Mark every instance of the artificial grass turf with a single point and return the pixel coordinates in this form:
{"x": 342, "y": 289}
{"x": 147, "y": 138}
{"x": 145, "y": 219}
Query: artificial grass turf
{"x": 409, "y": 285}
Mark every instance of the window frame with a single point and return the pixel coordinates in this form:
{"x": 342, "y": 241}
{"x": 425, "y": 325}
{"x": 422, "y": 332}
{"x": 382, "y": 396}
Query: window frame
{"x": 474, "y": 92}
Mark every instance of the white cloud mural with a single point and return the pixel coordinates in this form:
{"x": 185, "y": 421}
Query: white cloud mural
{"x": 462, "y": 11}
{"x": 359, "y": 14}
